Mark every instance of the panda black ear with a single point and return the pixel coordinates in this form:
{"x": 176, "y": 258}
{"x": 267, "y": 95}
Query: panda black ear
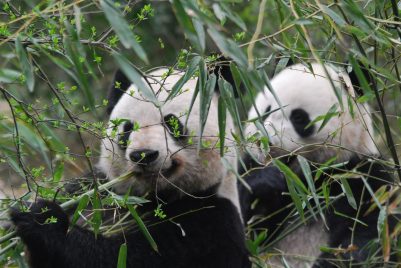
{"x": 286, "y": 61}
{"x": 355, "y": 81}
{"x": 222, "y": 69}
{"x": 120, "y": 84}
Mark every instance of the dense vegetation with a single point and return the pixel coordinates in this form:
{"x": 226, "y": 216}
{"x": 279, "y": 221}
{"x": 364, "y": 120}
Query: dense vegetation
{"x": 58, "y": 57}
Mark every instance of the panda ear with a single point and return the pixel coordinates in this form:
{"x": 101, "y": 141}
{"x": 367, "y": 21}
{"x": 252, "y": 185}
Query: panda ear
{"x": 120, "y": 84}
{"x": 355, "y": 81}
{"x": 222, "y": 69}
{"x": 284, "y": 60}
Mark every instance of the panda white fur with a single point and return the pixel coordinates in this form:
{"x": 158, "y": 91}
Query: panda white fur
{"x": 304, "y": 96}
{"x": 199, "y": 196}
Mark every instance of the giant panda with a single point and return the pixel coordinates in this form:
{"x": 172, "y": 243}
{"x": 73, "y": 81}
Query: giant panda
{"x": 158, "y": 145}
{"x": 339, "y": 147}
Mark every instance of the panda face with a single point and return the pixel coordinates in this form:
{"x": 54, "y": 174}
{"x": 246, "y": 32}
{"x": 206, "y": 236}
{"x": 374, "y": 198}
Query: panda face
{"x": 304, "y": 97}
{"x": 155, "y": 144}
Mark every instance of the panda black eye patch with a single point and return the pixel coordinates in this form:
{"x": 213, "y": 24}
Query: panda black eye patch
{"x": 266, "y": 114}
{"x": 123, "y": 137}
{"x": 174, "y": 126}
{"x": 300, "y": 119}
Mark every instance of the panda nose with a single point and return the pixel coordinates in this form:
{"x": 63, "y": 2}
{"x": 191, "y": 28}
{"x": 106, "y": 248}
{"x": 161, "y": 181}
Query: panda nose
{"x": 144, "y": 156}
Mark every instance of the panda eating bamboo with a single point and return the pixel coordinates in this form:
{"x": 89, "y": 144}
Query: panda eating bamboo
{"x": 317, "y": 129}
{"x": 158, "y": 145}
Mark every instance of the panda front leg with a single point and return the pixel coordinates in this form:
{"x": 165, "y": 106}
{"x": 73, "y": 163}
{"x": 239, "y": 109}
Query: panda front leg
{"x": 44, "y": 231}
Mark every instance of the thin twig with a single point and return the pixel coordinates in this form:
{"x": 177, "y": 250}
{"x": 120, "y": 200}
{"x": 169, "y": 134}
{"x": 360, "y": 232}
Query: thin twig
{"x": 256, "y": 34}
{"x": 70, "y": 203}
{"x": 17, "y": 141}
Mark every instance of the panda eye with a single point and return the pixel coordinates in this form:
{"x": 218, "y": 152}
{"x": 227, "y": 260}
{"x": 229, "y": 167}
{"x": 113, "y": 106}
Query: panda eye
{"x": 266, "y": 114}
{"x": 300, "y": 120}
{"x": 174, "y": 126}
{"x": 123, "y": 137}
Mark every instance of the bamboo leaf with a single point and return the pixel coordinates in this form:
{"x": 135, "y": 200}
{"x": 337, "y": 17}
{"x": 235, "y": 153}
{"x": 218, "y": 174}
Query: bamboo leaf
{"x": 186, "y": 23}
{"x": 58, "y": 171}
{"x": 83, "y": 203}
{"x": 122, "y": 256}
{"x": 142, "y": 227}
{"x": 26, "y": 65}
{"x": 228, "y": 47}
{"x": 97, "y": 215}
{"x": 136, "y": 78}
{"x": 348, "y": 193}
{"x": 192, "y": 67}
{"x": 367, "y": 90}
{"x": 293, "y": 183}
{"x": 222, "y": 124}
{"x": 200, "y": 32}
{"x": 306, "y": 170}
{"x": 206, "y": 95}
{"x": 233, "y": 16}
{"x": 333, "y": 15}
{"x": 122, "y": 29}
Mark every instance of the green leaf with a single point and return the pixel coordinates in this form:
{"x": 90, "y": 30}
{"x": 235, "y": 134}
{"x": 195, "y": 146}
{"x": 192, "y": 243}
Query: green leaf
{"x": 122, "y": 256}
{"x": 136, "y": 78}
{"x": 206, "y": 95}
{"x": 226, "y": 92}
{"x": 290, "y": 174}
{"x": 222, "y": 124}
{"x": 9, "y": 75}
{"x": 97, "y": 215}
{"x": 325, "y": 117}
{"x": 26, "y": 65}
{"x": 333, "y": 15}
{"x": 228, "y": 47}
{"x": 367, "y": 90}
{"x": 53, "y": 139}
{"x": 220, "y": 14}
{"x": 311, "y": 184}
{"x": 192, "y": 67}
{"x": 122, "y": 29}
{"x": 58, "y": 171}
{"x": 200, "y": 32}
{"x": 348, "y": 193}
{"x": 295, "y": 186}
{"x": 83, "y": 203}
{"x": 187, "y": 25}
{"x": 381, "y": 221}
{"x": 142, "y": 227}
{"x": 233, "y": 16}
{"x": 75, "y": 52}
{"x": 199, "y": 83}
{"x": 30, "y": 136}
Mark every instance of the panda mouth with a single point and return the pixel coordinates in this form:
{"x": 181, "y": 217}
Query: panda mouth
{"x": 175, "y": 164}
{"x": 144, "y": 171}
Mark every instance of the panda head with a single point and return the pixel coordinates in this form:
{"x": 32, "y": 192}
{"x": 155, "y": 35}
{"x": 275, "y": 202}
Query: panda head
{"x": 301, "y": 97}
{"x": 158, "y": 145}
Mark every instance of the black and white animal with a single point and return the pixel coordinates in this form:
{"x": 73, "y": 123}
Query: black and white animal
{"x": 159, "y": 146}
{"x": 344, "y": 143}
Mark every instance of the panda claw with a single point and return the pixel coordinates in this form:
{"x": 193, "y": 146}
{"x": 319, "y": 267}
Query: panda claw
{"x": 44, "y": 217}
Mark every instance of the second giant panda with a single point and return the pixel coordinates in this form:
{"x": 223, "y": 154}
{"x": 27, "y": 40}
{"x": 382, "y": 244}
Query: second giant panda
{"x": 200, "y": 225}
{"x": 304, "y": 115}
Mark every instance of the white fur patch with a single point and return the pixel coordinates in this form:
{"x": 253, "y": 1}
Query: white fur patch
{"x": 311, "y": 237}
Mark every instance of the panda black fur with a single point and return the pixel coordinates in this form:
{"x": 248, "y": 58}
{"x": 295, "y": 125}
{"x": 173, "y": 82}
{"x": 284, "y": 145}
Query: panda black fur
{"x": 199, "y": 196}
{"x": 303, "y": 97}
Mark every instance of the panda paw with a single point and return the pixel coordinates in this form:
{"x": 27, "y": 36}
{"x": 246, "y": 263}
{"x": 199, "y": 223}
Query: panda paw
{"x": 44, "y": 219}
